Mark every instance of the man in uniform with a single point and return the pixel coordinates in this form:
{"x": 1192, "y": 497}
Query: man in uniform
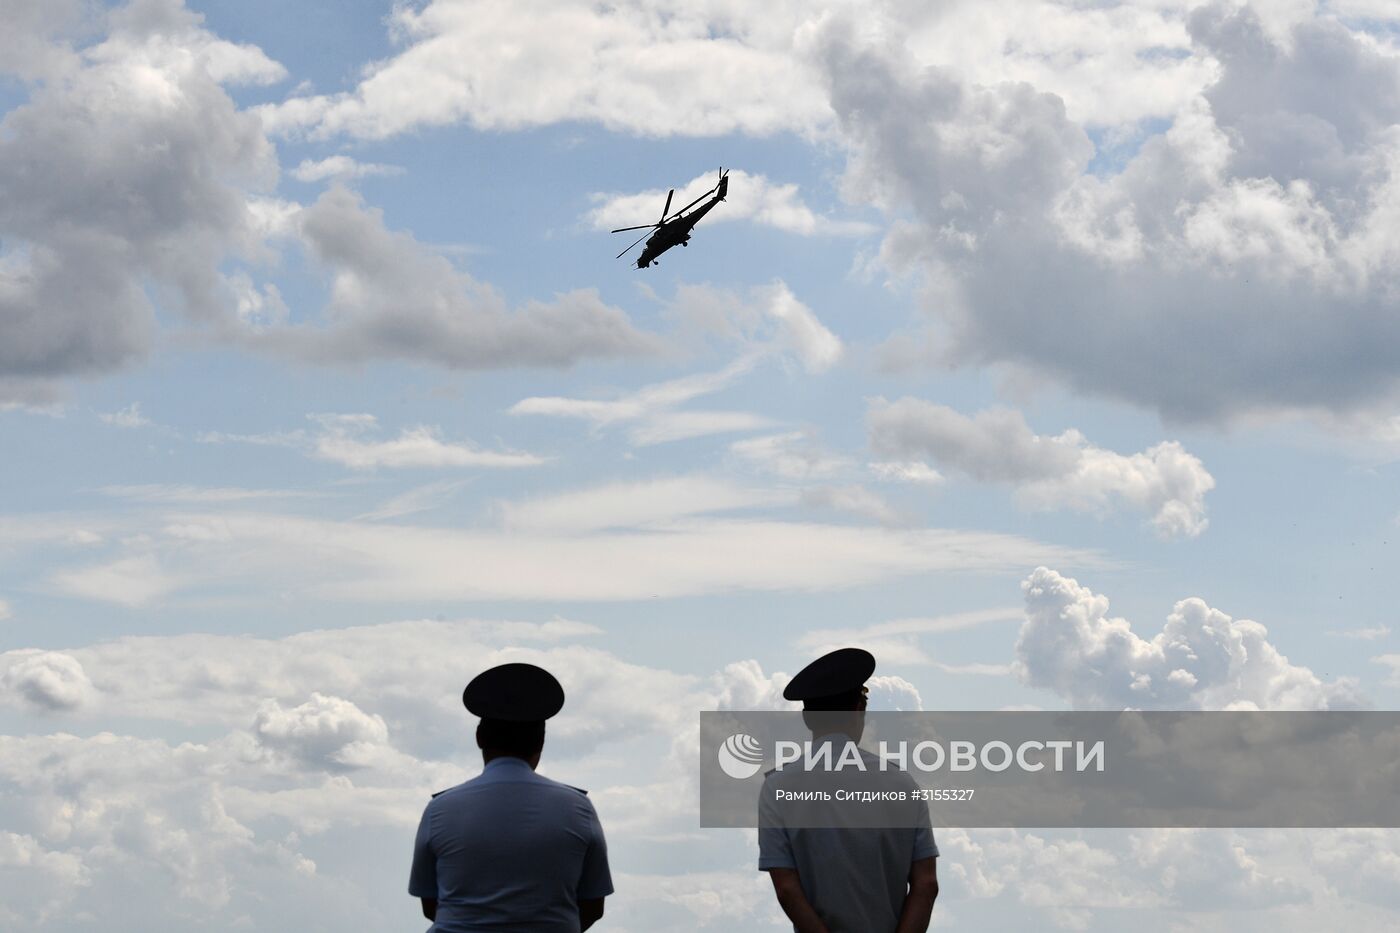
{"x": 510, "y": 849}
{"x": 836, "y": 878}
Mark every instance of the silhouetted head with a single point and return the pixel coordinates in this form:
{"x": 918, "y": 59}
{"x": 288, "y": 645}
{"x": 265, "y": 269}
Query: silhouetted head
{"x": 833, "y": 693}
{"x": 498, "y": 737}
{"x": 513, "y": 701}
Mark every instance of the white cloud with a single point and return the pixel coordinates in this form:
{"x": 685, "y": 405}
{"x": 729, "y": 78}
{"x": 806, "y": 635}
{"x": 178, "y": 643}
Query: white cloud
{"x": 818, "y": 348}
{"x": 769, "y": 322}
{"x": 1258, "y": 211}
{"x": 1064, "y": 471}
{"x": 343, "y": 728}
{"x": 792, "y": 455}
{"x": 1367, "y": 633}
{"x": 651, "y": 409}
{"x": 976, "y": 669}
{"x": 1201, "y": 659}
{"x": 668, "y": 426}
{"x": 344, "y": 438}
{"x": 234, "y": 824}
{"x": 340, "y": 167}
{"x": 906, "y": 471}
{"x": 633, "y": 504}
{"x": 341, "y": 440}
{"x": 767, "y": 319}
{"x": 393, "y": 297}
{"x": 888, "y": 692}
{"x": 88, "y": 164}
{"x": 183, "y": 554}
{"x": 5, "y": 611}
{"x": 1391, "y": 661}
{"x": 725, "y": 68}
{"x": 754, "y": 198}
{"x": 854, "y": 499}
{"x": 128, "y": 417}
{"x": 496, "y": 65}
{"x": 182, "y": 492}
{"x": 418, "y": 499}
{"x": 899, "y": 641}
{"x": 50, "y": 681}
{"x": 132, "y": 581}
{"x": 326, "y": 732}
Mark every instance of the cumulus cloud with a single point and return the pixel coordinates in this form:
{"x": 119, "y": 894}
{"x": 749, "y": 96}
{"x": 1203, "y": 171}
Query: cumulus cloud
{"x": 130, "y": 161}
{"x": 498, "y": 66}
{"x": 1201, "y": 659}
{"x": 1258, "y": 211}
{"x": 756, "y": 198}
{"x": 1063, "y": 471}
{"x": 392, "y": 297}
{"x": 225, "y": 829}
{"x": 889, "y": 692}
{"x": 50, "y": 681}
{"x": 724, "y": 68}
{"x": 243, "y": 815}
{"x": 325, "y": 731}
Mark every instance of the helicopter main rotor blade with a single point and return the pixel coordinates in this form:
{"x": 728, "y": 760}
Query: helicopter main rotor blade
{"x": 638, "y": 227}
{"x": 696, "y": 201}
{"x": 624, "y": 252}
{"x": 667, "y": 209}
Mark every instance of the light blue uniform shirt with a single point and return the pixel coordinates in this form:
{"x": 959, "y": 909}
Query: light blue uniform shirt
{"x": 854, "y": 877}
{"x": 509, "y": 850}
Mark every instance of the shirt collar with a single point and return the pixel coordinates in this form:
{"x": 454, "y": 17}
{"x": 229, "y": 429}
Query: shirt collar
{"x": 507, "y": 765}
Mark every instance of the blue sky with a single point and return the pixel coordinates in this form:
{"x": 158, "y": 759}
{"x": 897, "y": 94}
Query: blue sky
{"x": 321, "y": 391}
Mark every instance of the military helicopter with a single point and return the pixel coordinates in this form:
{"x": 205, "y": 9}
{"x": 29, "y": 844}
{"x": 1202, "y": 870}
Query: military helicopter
{"x": 675, "y": 228}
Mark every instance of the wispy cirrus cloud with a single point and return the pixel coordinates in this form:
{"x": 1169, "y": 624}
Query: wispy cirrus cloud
{"x": 340, "y": 167}
{"x": 342, "y": 439}
{"x": 663, "y": 552}
{"x": 349, "y": 439}
{"x": 770, "y": 322}
{"x": 651, "y": 410}
{"x": 900, "y": 641}
{"x": 188, "y": 493}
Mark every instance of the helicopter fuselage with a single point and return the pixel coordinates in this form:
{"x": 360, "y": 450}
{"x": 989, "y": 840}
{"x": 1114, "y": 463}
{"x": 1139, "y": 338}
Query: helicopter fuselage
{"x": 673, "y": 232}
